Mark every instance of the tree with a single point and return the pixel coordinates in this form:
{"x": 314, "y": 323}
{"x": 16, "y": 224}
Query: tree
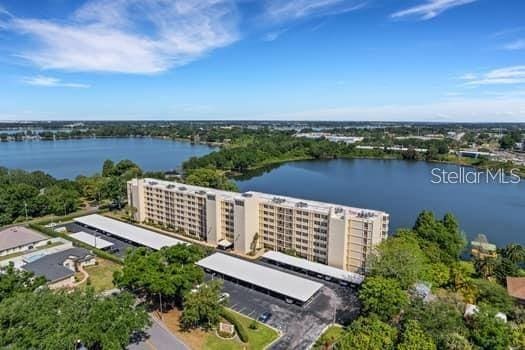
{"x": 414, "y": 338}
{"x": 208, "y": 177}
{"x": 437, "y": 318}
{"x": 108, "y": 168}
{"x": 489, "y": 332}
{"x": 368, "y": 333}
{"x": 455, "y": 341}
{"x": 115, "y": 189}
{"x": 383, "y": 297}
{"x": 399, "y": 258}
{"x": 166, "y": 274}
{"x": 445, "y": 233}
{"x": 492, "y": 294}
{"x": 485, "y": 266}
{"x": 13, "y": 281}
{"x": 202, "y": 306}
{"x": 514, "y": 252}
{"x": 48, "y": 320}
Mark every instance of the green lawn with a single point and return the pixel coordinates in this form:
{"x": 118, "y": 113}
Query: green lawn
{"x": 331, "y": 334}
{"x": 101, "y": 275}
{"x": 258, "y": 339}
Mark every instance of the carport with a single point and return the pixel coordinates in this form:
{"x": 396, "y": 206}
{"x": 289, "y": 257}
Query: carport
{"x": 267, "y": 280}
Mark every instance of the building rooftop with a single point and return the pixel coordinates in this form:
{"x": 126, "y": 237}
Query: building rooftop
{"x": 277, "y": 281}
{"x": 129, "y": 232}
{"x": 516, "y": 287}
{"x": 325, "y": 270}
{"x": 91, "y": 240}
{"x": 18, "y": 236}
{"x": 51, "y": 266}
{"x": 291, "y": 202}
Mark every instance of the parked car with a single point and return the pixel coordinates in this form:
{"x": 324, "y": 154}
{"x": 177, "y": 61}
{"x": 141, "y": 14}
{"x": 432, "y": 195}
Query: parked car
{"x": 264, "y": 317}
{"x": 224, "y": 296}
{"x": 289, "y": 301}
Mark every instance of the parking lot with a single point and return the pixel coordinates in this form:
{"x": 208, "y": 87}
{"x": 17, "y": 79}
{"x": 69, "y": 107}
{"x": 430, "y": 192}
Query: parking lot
{"x": 300, "y": 326}
{"x": 119, "y": 245}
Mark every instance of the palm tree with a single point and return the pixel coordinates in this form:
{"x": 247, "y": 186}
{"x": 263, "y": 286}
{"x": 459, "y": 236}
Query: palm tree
{"x": 485, "y": 266}
{"x": 514, "y": 252}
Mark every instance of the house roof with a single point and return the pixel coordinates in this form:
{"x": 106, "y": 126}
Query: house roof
{"x": 18, "y": 236}
{"x": 516, "y": 287}
{"x": 51, "y": 266}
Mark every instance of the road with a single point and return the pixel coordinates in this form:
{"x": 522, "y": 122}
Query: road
{"x": 159, "y": 339}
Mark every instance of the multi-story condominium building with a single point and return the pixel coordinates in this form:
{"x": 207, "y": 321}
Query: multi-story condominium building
{"x": 332, "y": 234}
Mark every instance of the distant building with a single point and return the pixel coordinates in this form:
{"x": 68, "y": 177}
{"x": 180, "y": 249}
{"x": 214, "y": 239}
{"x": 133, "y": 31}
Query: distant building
{"x": 20, "y": 239}
{"x": 516, "y": 288}
{"x": 59, "y": 268}
{"x": 481, "y": 248}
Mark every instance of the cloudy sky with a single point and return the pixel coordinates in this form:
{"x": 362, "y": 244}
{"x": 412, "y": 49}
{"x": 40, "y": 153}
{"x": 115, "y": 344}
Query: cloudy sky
{"x": 432, "y": 60}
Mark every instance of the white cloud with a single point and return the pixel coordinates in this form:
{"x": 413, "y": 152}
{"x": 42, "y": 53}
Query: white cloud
{"x": 41, "y": 80}
{"x": 506, "y": 109}
{"x": 515, "y": 45}
{"x": 131, "y": 36}
{"x": 500, "y": 76}
{"x": 271, "y": 36}
{"x": 279, "y": 10}
{"x": 430, "y": 9}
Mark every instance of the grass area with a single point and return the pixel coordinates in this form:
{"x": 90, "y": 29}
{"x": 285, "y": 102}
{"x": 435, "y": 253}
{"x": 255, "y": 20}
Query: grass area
{"x": 330, "y": 335}
{"x": 199, "y": 339}
{"x": 101, "y": 275}
{"x": 14, "y": 255}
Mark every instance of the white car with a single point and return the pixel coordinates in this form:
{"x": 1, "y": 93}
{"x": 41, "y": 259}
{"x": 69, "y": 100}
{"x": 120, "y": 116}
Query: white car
{"x": 224, "y": 296}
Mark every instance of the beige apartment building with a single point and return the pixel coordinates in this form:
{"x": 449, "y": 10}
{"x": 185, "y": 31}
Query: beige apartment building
{"x": 332, "y": 234}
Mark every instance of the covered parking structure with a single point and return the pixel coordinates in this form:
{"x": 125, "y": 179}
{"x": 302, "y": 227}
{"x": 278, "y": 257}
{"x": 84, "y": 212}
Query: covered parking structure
{"x": 279, "y": 284}
{"x": 326, "y": 272}
{"x": 129, "y": 233}
{"x": 92, "y": 240}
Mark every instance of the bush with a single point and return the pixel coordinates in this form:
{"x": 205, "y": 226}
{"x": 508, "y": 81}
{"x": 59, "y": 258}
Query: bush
{"x": 239, "y": 327}
{"x": 253, "y": 325}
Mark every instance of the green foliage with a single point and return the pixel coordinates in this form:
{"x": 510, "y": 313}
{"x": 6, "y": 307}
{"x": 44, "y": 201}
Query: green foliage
{"x": 414, "y": 338}
{"x": 399, "y": 258}
{"x": 493, "y": 295}
{"x": 208, "y": 177}
{"x": 202, "y": 306}
{"x": 489, "y": 332}
{"x": 437, "y": 318}
{"x": 455, "y": 341}
{"x": 383, "y": 297}
{"x": 170, "y": 272}
{"x": 368, "y": 333}
{"x": 444, "y": 233}
{"x": 14, "y": 281}
{"x": 47, "y": 320}
{"x": 239, "y": 327}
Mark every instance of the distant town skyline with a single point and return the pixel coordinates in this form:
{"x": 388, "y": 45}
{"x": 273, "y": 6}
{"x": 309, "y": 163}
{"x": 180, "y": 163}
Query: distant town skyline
{"x": 417, "y": 60}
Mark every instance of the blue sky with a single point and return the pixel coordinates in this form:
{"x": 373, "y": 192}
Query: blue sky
{"x": 432, "y": 60}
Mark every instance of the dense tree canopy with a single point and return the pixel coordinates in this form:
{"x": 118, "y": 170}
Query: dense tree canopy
{"x": 202, "y": 306}
{"x": 168, "y": 273}
{"x": 47, "y": 320}
{"x": 368, "y": 333}
{"x": 383, "y": 297}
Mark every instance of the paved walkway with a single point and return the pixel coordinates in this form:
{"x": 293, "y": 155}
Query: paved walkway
{"x": 160, "y": 338}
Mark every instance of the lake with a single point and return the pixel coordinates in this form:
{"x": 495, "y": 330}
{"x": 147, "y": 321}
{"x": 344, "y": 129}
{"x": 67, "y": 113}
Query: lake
{"x": 402, "y": 189}
{"x": 69, "y": 158}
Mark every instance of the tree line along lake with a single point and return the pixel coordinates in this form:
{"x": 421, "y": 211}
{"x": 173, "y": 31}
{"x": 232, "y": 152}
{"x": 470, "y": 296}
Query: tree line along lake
{"x": 401, "y": 188}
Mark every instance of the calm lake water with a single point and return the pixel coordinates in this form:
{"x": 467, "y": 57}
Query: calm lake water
{"x": 69, "y": 158}
{"x": 402, "y": 189}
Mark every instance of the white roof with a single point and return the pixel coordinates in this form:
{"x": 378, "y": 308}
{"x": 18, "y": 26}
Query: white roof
{"x": 326, "y": 270}
{"x": 91, "y": 240}
{"x": 132, "y": 233}
{"x": 277, "y": 281}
